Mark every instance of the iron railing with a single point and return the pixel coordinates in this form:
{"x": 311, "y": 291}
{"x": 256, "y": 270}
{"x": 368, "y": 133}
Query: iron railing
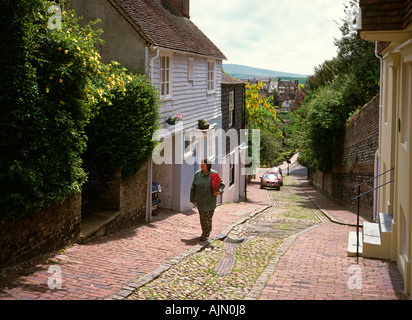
{"x": 358, "y": 198}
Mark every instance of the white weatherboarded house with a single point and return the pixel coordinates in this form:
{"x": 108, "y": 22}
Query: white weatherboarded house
{"x": 157, "y": 38}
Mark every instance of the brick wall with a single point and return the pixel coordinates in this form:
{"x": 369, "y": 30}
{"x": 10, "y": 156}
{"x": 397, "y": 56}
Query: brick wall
{"x": 354, "y": 161}
{"x": 55, "y": 227}
{"x": 128, "y": 197}
{"x": 44, "y": 231}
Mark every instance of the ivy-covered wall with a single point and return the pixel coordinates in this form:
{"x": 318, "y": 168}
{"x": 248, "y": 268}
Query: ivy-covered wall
{"x": 354, "y": 161}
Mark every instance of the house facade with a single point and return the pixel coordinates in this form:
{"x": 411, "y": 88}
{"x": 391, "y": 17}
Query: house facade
{"x": 157, "y": 38}
{"x": 390, "y": 25}
{"x": 234, "y": 148}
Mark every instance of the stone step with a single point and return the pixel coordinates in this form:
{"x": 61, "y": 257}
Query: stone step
{"x": 374, "y": 240}
{"x": 385, "y": 222}
{"x": 371, "y": 233}
{"x": 94, "y": 223}
{"x": 352, "y": 244}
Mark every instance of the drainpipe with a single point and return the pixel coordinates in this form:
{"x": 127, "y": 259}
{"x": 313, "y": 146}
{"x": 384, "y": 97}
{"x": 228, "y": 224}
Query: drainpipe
{"x": 244, "y": 127}
{"x": 151, "y": 64}
{"x": 149, "y": 191}
{"x": 378, "y": 156}
{"x": 149, "y": 163}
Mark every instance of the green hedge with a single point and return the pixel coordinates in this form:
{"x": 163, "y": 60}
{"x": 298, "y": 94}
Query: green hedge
{"x": 120, "y": 136}
{"x": 54, "y": 86}
{"x": 44, "y": 110}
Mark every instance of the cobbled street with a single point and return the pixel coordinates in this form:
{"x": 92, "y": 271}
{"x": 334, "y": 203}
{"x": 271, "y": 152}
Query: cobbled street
{"x": 232, "y": 268}
{"x": 279, "y": 245}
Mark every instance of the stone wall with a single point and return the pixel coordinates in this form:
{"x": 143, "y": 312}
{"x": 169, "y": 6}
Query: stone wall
{"x": 41, "y": 232}
{"x": 354, "y": 161}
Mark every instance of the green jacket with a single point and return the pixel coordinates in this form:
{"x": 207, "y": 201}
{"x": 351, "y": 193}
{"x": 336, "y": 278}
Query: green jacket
{"x": 201, "y": 191}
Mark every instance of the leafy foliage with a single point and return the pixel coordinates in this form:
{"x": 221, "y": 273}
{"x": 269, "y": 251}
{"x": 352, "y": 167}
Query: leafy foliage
{"x": 261, "y": 115}
{"x": 120, "y": 136}
{"x": 44, "y": 109}
{"x": 337, "y": 89}
{"x": 54, "y": 86}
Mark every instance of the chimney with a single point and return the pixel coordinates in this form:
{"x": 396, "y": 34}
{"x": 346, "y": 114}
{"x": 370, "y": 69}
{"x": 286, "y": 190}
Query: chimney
{"x": 183, "y": 6}
{"x": 297, "y": 83}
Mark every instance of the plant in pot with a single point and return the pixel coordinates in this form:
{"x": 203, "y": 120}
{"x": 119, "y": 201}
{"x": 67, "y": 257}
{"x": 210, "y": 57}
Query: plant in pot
{"x": 175, "y": 118}
{"x": 203, "y": 124}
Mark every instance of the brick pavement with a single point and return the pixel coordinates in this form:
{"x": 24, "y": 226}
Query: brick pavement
{"x": 313, "y": 266}
{"x": 316, "y": 267}
{"x": 104, "y": 266}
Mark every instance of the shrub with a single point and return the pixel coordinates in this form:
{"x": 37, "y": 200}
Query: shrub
{"x": 45, "y": 106}
{"x": 120, "y": 136}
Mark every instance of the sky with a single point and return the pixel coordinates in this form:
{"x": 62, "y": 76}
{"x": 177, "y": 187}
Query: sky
{"x": 283, "y": 35}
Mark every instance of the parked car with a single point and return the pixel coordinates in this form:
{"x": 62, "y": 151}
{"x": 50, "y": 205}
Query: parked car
{"x": 156, "y": 190}
{"x": 277, "y": 170}
{"x": 270, "y": 180}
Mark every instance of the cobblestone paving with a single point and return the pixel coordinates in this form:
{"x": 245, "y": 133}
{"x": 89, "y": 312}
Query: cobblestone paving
{"x": 230, "y": 270}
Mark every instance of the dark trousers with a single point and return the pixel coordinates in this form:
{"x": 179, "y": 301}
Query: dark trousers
{"x": 206, "y": 222}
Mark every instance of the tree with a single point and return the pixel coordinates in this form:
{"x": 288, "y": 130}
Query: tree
{"x": 261, "y": 115}
{"x": 44, "y": 107}
{"x": 338, "y": 88}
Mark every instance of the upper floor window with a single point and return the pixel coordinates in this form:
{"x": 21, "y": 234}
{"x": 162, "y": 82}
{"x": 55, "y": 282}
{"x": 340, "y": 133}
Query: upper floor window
{"x": 191, "y": 69}
{"x": 211, "y": 144}
{"x": 165, "y": 76}
{"x": 189, "y": 143}
{"x": 231, "y": 108}
{"x": 404, "y": 120}
{"x": 232, "y": 170}
{"x": 211, "y": 76}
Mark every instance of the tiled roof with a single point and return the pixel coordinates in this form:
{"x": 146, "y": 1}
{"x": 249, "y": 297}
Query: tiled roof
{"x": 385, "y": 15}
{"x": 162, "y": 25}
{"x": 227, "y": 79}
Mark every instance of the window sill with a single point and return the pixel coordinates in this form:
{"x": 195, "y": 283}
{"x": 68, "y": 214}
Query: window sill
{"x": 167, "y": 98}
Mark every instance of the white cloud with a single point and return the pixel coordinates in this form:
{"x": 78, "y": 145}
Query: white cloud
{"x": 290, "y": 36}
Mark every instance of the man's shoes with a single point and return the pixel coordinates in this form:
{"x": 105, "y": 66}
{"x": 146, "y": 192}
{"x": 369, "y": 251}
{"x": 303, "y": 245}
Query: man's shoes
{"x": 203, "y": 238}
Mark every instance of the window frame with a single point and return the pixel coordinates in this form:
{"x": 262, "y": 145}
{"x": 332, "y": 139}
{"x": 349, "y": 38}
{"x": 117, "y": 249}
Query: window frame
{"x": 231, "y": 108}
{"x": 406, "y": 104}
{"x": 166, "y": 92}
{"x": 231, "y": 170}
{"x": 211, "y": 144}
{"x": 211, "y": 76}
{"x": 191, "y": 67}
{"x": 188, "y": 137}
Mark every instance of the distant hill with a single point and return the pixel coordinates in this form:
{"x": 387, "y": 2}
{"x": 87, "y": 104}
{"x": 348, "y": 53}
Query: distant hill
{"x": 244, "y": 72}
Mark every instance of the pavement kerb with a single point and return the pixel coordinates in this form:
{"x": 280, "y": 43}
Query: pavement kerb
{"x": 127, "y": 290}
{"x": 327, "y": 214}
{"x": 260, "y": 284}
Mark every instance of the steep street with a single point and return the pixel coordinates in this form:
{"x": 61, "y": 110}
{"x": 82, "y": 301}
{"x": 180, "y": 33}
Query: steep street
{"x": 288, "y": 250}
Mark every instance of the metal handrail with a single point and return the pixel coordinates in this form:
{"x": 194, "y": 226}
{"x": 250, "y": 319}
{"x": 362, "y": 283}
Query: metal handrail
{"x": 372, "y": 189}
{"x": 372, "y": 178}
{"x": 358, "y": 197}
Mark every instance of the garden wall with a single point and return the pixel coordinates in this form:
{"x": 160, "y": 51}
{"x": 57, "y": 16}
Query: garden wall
{"x": 128, "y": 197}
{"x": 43, "y": 231}
{"x": 354, "y": 161}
